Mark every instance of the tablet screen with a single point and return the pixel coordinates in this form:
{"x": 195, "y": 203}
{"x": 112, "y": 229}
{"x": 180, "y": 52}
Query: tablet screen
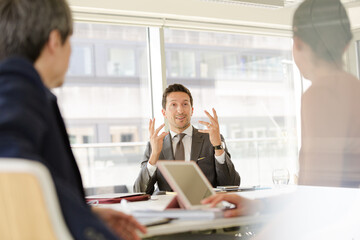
{"x": 189, "y": 181}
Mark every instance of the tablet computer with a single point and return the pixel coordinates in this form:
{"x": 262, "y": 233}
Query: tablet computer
{"x": 188, "y": 181}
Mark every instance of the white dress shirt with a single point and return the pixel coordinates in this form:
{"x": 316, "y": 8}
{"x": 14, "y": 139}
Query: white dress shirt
{"x": 187, "y": 140}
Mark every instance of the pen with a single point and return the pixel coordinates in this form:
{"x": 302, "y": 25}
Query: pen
{"x": 201, "y": 158}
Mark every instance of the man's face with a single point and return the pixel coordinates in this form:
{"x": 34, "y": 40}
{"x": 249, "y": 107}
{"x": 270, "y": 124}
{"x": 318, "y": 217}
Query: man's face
{"x": 64, "y": 57}
{"x": 57, "y": 61}
{"x": 53, "y": 62}
{"x": 178, "y": 111}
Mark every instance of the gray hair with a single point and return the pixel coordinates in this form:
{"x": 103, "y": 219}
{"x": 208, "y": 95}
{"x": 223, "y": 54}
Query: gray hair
{"x": 25, "y": 26}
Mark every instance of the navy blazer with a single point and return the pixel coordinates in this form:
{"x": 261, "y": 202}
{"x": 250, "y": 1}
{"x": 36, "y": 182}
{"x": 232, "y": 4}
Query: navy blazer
{"x": 31, "y": 127}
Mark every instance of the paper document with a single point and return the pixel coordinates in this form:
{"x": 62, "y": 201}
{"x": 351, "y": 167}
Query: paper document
{"x": 181, "y": 214}
{"x": 117, "y": 197}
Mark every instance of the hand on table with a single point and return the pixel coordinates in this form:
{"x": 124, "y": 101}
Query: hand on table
{"x": 121, "y": 224}
{"x": 243, "y": 205}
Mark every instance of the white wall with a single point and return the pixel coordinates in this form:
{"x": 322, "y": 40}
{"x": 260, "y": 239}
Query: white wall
{"x": 204, "y": 15}
{"x": 190, "y": 10}
{"x": 202, "y": 11}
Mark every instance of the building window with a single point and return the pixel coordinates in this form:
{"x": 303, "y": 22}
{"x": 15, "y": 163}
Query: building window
{"x": 81, "y": 62}
{"x": 121, "y": 62}
{"x": 86, "y": 139}
{"x": 72, "y": 139}
{"x": 126, "y": 137}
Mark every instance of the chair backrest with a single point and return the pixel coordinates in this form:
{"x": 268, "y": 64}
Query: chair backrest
{"x": 29, "y": 206}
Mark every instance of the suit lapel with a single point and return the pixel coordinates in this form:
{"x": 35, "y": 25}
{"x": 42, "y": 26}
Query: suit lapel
{"x": 196, "y": 145}
{"x": 167, "y": 148}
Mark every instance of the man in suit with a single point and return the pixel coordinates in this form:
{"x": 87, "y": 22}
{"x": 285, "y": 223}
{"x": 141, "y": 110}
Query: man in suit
{"x": 34, "y": 56}
{"x": 184, "y": 142}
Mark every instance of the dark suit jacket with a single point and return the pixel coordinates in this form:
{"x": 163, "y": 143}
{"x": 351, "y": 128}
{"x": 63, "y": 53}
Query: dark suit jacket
{"x": 201, "y": 147}
{"x": 31, "y": 127}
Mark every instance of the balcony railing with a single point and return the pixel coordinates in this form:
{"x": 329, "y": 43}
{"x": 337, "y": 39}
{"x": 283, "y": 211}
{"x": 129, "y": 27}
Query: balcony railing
{"x": 104, "y": 164}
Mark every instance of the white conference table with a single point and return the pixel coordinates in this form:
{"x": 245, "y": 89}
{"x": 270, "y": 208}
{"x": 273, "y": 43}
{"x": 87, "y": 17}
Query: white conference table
{"x": 159, "y": 202}
{"x": 312, "y": 213}
{"x": 180, "y": 226}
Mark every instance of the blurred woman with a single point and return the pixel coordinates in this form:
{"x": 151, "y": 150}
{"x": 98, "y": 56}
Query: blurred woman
{"x": 330, "y": 118}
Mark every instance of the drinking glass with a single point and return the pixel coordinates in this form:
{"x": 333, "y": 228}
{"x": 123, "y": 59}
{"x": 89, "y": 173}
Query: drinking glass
{"x": 280, "y": 176}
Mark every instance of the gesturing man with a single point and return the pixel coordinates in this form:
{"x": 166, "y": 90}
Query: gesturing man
{"x": 184, "y": 142}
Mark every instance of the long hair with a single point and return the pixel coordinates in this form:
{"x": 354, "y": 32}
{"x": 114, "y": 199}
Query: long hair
{"x": 324, "y": 25}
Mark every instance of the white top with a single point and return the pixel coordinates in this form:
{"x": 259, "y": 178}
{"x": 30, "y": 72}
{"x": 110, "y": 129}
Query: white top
{"x": 187, "y": 140}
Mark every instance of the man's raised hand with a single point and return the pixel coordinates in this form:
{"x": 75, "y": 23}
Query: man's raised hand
{"x": 156, "y": 141}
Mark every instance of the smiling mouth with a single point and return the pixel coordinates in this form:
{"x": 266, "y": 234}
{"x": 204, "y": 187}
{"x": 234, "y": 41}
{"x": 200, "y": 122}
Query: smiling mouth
{"x": 181, "y": 118}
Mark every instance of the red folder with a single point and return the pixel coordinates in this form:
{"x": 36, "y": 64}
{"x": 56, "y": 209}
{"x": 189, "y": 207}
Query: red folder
{"x": 102, "y": 199}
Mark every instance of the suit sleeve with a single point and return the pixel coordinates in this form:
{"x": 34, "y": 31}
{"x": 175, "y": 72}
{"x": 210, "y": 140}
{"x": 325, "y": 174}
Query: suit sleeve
{"x": 22, "y": 127}
{"x": 226, "y": 173}
{"x": 82, "y": 222}
{"x": 144, "y": 182}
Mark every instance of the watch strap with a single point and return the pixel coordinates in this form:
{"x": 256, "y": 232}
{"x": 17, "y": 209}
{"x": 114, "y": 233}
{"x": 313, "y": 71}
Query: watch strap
{"x": 218, "y": 147}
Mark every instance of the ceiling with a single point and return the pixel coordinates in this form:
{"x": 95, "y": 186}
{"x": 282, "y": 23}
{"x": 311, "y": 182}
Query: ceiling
{"x": 272, "y": 3}
{"x": 224, "y": 15}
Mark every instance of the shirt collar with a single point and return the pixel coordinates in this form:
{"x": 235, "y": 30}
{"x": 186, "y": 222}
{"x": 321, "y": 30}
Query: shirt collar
{"x": 188, "y": 131}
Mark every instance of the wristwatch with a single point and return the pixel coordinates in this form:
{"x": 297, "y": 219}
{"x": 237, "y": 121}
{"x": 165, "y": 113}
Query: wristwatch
{"x": 219, "y": 147}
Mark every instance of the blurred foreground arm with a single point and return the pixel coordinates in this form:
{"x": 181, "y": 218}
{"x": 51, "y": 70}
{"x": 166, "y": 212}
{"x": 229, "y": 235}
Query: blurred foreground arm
{"x": 243, "y": 206}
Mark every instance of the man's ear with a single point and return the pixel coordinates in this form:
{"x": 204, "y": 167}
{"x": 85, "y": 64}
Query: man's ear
{"x": 298, "y": 43}
{"x": 54, "y": 41}
{"x": 163, "y": 112}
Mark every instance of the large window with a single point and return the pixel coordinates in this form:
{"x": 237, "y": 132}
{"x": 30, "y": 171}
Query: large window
{"x": 105, "y": 101}
{"x": 249, "y": 80}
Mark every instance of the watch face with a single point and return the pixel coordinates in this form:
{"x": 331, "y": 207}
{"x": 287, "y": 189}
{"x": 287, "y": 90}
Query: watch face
{"x": 218, "y": 147}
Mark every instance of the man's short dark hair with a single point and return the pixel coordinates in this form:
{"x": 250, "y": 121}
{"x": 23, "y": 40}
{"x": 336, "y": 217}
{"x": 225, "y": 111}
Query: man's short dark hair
{"x": 175, "y": 88}
{"x": 25, "y": 26}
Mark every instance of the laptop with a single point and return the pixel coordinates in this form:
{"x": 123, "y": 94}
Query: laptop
{"x": 188, "y": 181}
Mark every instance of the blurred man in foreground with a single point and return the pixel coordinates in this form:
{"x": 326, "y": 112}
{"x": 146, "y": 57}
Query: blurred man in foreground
{"x": 34, "y": 56}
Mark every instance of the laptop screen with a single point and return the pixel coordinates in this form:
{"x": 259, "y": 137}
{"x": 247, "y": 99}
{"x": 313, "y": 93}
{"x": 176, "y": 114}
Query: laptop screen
{"x": 189, "y": 181}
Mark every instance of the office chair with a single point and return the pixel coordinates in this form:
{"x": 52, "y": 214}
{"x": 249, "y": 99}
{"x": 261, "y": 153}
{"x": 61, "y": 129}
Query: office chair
{"x": 29, "y": 207}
